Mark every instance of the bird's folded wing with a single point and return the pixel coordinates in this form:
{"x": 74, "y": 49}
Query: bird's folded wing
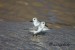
{"x": 45, "y": 28}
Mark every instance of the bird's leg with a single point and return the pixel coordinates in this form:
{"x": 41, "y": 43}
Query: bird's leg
{"x": 34, "y": 35}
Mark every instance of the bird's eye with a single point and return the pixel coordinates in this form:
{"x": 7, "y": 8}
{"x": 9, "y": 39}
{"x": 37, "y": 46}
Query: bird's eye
{"x": 34, "y": 19}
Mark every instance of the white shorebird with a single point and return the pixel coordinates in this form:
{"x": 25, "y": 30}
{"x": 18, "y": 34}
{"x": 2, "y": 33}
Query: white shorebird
{"x": 39, "y": 29}
{"x": 36, "y": 23}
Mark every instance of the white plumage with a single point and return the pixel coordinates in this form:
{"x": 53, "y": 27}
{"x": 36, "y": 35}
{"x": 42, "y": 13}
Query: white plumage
{"x": 41, "y": 27}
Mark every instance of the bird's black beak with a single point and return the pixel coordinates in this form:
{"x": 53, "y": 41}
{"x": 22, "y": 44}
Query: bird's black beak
{"x": 46, "y": 25}
{"x": 31, "y": 21}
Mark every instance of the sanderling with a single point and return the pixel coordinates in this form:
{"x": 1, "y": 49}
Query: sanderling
{"x": 39, "y": 29}
{"x": 35, "y": 22}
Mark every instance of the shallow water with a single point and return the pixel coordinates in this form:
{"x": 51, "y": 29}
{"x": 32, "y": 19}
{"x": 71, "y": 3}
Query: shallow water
{"x": 13, "y": 36}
